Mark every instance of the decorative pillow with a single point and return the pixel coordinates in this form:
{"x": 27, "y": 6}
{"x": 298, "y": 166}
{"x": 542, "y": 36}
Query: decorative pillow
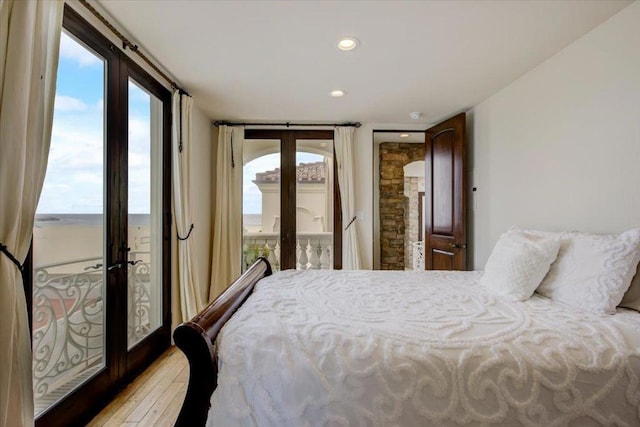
{"x": 593, "y": 271}
{"x": 632, "y": 296}
{"x": 518, "y": 263}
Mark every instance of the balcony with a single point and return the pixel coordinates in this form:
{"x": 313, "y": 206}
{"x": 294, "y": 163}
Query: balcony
{"x": 314, "y": 251}
{"x": 68, "y": 322}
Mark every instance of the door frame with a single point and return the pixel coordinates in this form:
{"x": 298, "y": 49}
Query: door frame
{"x": 121, "y": 365}
{"x": 375, "y": 199}
{"x": 288, "y": 138}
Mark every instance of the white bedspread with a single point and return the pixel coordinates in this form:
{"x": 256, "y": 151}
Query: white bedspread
{"x": 334, "y": 348}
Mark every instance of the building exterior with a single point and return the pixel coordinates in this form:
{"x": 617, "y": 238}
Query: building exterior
{"x": 313, "y": 214}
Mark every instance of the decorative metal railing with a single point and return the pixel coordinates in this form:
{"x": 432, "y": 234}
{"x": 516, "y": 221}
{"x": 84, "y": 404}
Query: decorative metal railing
{"x": 68, "y": 321}
{"x": 314, "y": 251}
{"x": 139, "y": 297}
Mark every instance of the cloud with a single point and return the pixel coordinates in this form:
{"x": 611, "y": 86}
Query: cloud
{"x": 71, "y": 49}
{"x": 66, "y": 104}
{"x": 89, "y": 177}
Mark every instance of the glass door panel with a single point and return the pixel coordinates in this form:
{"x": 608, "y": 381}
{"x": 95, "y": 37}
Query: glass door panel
{"x": 261, "y": 220}
{"x": 144, "y": 233}
{"x": 314, "y": 204}
{"x": 69, "y": 294}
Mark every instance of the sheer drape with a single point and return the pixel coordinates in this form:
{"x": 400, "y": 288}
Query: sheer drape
{"x": 227, "y": 223}
{"x": 190, "y": 293}
{"x": 29, "y": 44}
{"x": 346, "y": 181}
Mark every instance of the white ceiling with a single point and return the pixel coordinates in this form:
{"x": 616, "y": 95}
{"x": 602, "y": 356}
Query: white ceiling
{"x": 277, "y": 60}
{"x": 385, "y": 136}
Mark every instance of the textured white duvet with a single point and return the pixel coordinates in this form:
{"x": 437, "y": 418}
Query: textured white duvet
{"x": 353, "y": 348}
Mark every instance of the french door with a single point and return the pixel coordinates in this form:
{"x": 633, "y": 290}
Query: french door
{"x": 100, "y": 253}
{"x": 291, "y": 202}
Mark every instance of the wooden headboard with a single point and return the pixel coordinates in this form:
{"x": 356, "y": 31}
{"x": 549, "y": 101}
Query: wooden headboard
{"x": 197, "y": 338}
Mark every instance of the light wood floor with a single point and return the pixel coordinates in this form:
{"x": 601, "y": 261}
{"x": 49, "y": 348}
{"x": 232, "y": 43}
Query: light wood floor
{"x": 152, "y": 399}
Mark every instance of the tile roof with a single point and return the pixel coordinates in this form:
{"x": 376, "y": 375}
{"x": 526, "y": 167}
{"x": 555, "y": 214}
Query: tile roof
{"x": 305, "y": 173}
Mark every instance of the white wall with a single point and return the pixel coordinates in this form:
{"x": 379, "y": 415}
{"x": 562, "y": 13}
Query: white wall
{"x": 559, "y": 149}
{"x": 200, "y": 176}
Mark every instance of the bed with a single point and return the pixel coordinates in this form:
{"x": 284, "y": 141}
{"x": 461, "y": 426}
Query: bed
{"x": 406, "y": 348}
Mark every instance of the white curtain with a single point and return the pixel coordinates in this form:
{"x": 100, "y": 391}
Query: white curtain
{"x": 343, "y": 142}
{"x": 189, "y": 293}
{"x": 227, "y": 223}
{"x": 29, "y": 43}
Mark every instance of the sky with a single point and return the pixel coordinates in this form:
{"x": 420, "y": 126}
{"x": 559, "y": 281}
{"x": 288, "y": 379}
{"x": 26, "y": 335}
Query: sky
{"x": 75, "y": 172}
{"x": 251, "y": 196}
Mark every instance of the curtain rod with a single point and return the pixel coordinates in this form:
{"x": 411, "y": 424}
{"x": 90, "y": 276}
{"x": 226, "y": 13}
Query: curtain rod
{"x": 287, "y": 124}
{"x": 133, "y": 47}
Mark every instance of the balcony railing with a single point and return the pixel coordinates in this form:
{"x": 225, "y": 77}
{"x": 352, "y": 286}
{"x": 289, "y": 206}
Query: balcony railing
{"x": 68, "y": 322}
{"x": 314, "y": 251}
{"x": 418, "y": 256}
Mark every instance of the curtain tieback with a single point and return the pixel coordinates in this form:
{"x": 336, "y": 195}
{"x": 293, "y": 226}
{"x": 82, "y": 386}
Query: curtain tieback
{"x": 350, "y": 222}
{"x": 188, "y": 234}
{"x": 4, "y": 250}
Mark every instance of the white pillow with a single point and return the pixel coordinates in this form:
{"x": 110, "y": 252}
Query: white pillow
{"x": 518, "y": 263}
{"x": 593, "y": 271}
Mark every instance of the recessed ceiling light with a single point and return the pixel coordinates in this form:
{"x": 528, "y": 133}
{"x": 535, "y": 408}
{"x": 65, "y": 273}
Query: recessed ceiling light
{"x": 404, "y": 135}
{"x": 337, "y": 93}
{"x": 415, "y": 115}
{"x": 348, "y": 43}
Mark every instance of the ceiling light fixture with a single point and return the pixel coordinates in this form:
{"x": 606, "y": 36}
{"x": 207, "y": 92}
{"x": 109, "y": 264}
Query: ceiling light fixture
{"x": 404, "y": 135}
{"x": 337, "y": 93}
{"x": 348, "y": 43}
{"x": 415, "y": 115}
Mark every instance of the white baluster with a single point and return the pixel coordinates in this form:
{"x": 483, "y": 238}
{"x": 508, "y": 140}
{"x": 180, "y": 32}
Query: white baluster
{"x": 329, "y": 256}
{"x": 303, "y": 258}
{"x": 418, "y": 256}
{"x": 246, "y": 255}
{"x": 298, "y": 255}
{"x": 276, "y": 265}
{"x": 319, "y": 253}
{"x": 324, "y": 257}
{"x": 314, "y": 259}
{"x": 271, "y": 255}
{"x": 309, "y": 253}
{"x": 258, "y": 249}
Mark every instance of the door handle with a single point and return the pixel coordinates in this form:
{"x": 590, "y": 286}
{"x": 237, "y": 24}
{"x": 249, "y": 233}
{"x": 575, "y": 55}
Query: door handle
{"x": 114, "y": 266}
{"x": 457, "y": 245}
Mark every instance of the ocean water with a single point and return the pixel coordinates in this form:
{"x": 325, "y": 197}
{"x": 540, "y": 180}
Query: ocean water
{"x": 48, "y": 220}
{"x": 135, "y": 220}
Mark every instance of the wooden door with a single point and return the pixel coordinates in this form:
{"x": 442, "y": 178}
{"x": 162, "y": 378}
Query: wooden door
{"x": 445, "y": 196}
